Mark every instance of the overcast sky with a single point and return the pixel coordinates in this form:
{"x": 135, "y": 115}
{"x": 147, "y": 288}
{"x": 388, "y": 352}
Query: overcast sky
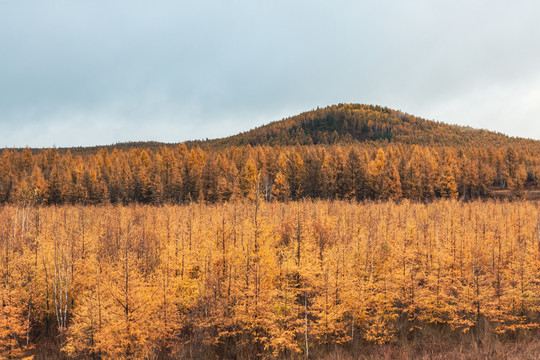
{"x": 98, "y": 72}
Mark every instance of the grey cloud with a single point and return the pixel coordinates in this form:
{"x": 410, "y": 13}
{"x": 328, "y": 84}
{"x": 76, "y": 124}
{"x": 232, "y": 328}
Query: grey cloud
{"x": 82, "y": 73}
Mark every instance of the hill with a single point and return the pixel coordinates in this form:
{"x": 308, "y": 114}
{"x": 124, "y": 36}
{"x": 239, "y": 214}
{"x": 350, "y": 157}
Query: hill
{"x": 340, "y": 124}
{"x": 347, "y": 123}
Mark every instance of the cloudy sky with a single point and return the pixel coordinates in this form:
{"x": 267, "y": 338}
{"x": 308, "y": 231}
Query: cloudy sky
{"x": 98, "y": 72}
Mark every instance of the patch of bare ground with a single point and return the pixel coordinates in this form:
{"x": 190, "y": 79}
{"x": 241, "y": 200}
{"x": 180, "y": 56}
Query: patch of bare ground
{"x": 532, "y": 193}
{"x": 523, "y": 350}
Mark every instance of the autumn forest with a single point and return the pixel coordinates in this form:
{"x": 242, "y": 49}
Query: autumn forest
{"x": 347, "y": 231}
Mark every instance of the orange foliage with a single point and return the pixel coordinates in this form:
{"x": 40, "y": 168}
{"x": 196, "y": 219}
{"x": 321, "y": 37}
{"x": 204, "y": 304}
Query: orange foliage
{"x": 267, "y": 279}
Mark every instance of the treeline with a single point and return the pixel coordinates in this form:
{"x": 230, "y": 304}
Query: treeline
{"x": 181, "y": 174}
{"x": 256, "y": 279}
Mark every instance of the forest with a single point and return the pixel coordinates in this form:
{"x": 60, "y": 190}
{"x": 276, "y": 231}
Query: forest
{"x": 344, "y": 232}
{"x": 256, "y": 279}
{"x": 181, "y": 175}
{"x": 395, "y": 156}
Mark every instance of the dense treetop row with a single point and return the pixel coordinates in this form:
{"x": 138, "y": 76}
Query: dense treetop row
{"x": 182, "y": 174}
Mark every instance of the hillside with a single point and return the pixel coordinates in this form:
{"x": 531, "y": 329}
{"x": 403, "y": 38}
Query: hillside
{"x": 346, "y": 123}
{"x": 341, "y": 124}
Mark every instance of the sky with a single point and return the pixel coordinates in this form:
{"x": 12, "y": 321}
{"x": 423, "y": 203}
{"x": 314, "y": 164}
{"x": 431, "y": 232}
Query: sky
{"x": 80, "y": 73}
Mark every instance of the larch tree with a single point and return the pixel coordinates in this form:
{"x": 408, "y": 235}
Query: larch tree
{"x": 447, "y": 186}
{"x": 248, "y": 180}
{"x": 280, "y": 188}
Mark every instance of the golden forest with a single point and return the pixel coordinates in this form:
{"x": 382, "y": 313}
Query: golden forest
{"x": 251, "y": 279}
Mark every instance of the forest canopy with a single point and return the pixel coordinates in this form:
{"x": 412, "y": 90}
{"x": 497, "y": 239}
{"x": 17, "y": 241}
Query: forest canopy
{"x": 255, "y": 279}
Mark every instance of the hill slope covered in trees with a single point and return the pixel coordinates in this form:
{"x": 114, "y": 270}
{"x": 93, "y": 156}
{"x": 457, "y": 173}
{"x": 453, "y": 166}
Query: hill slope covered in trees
{"x": 347, "y": 123}
{"x": 340, "y": 124}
